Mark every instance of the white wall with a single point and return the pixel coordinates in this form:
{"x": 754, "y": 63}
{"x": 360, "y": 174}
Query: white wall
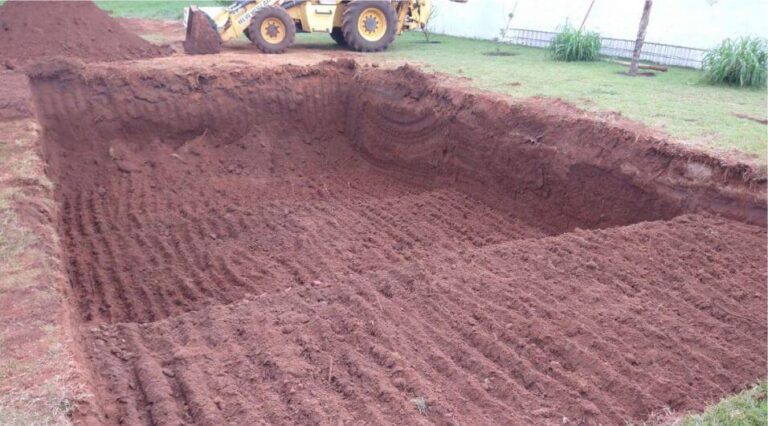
{"x": 690, "y": 23}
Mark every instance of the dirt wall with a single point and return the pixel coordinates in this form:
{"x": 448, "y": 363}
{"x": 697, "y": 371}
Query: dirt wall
{"x": 543, "y": 160}
{"x": 549, "y": 159}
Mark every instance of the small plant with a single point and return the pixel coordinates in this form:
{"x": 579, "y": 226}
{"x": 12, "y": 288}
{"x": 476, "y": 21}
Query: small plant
{"x": 428, "y": 29}
{"x": 503, "y": 34}
{"x": 740, "y": 62}
{"x": 571, "y": 45}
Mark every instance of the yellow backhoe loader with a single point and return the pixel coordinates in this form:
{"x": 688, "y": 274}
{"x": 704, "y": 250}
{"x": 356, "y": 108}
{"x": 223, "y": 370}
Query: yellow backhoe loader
{"x": 362, "y": 25}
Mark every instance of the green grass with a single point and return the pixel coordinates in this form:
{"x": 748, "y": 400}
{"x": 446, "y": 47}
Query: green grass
{"x": 150, "y": 9}
{"x": 749, "y": 408}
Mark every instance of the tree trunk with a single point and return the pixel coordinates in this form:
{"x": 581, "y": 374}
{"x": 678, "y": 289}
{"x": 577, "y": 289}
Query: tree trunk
{"x": 586, "y": 15}
{"x": 640, "y": 37}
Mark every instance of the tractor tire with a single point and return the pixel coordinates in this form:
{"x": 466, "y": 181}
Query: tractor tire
{"x": 272, "y": 30}
{"x": 338, "y": 36}
{"x": 369, "y": 26}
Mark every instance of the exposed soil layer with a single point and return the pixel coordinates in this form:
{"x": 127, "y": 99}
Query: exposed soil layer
{"x": 15, "y": 101}
{"x": 35, "y": 29}
{"x": 327, "y": 244}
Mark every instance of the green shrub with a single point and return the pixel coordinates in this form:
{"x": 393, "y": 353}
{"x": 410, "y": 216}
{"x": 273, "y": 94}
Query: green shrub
{"x": 571, "y": 44}
{"x": 740, "y": 62}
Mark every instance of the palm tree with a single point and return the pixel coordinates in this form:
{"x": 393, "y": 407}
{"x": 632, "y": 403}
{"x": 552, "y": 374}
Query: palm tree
{"x": 640, "y": 37}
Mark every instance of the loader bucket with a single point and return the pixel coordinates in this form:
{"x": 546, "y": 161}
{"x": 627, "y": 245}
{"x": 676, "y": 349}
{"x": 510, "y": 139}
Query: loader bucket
{"x": 202, "y": 37}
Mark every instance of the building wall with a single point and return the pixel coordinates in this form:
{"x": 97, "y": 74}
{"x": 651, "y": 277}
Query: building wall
{"x": 690, "y": 23}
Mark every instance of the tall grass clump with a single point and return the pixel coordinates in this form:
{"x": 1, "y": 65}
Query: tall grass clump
{"x": 740, "y": 62}
{"x": 571, "y": 45}
{"x": 750, "y": 407}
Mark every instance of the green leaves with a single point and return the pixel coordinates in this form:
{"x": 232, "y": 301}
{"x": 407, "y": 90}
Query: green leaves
{"x": 575, "y": 45}
{"x": 740, "y": 62}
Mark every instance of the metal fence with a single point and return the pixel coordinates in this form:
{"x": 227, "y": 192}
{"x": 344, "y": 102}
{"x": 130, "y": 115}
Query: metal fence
{"x": 664, "y": 54}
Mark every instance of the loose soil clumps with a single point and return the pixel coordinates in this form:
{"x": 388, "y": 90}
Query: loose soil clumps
{"x": 31, "y": 30}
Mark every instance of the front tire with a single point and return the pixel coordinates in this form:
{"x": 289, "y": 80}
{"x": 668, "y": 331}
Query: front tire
{"x": 338, "y": 36}
{"x": 272, "y": 30}
{"x": 369, "y": 26}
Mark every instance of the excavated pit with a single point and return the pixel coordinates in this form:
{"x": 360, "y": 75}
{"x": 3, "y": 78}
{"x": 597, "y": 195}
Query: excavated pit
{"x": 327, "y": 244}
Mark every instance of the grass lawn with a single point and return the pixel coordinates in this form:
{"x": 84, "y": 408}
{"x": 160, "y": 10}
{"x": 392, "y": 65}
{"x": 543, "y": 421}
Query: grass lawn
{"x": 677, "y": 102}
{"x": 150, "y": 9}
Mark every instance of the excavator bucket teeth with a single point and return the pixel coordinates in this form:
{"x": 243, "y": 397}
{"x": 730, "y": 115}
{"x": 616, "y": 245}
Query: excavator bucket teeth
{"x": 202, "y": 37}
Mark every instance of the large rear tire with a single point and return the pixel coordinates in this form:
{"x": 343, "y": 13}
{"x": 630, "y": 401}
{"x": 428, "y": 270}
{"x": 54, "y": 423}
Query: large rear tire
{"x": 272, "y": 30}
{"x": 369, "y": 26}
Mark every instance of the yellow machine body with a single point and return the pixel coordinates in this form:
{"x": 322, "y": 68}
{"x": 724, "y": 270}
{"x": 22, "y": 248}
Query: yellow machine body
{"x": 315, "y": 15}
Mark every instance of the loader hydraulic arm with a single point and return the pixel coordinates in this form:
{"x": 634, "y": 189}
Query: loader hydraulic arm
{"x": 419, "y": 13}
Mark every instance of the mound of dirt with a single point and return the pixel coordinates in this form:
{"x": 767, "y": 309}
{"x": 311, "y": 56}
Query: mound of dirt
{"x": 30, "y": 30}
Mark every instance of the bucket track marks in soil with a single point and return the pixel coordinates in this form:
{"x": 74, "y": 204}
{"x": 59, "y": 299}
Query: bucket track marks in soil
{"x": 330, "y": 244}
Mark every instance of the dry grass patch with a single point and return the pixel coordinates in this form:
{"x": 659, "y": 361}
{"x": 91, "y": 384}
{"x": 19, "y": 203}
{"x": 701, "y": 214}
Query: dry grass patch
{"x": 38, "y": 379}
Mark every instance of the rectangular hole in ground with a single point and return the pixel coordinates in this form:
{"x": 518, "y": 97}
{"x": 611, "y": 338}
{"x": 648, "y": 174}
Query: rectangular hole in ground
{"x": 335, "y": 235}
{"x": 180, "y": 191}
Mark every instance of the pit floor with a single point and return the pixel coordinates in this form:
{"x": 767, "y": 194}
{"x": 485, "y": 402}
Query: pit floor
{"x": 281, "y": 279}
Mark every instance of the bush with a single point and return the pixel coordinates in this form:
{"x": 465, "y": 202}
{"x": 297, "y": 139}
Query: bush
{"x": 575, "y": 45}
{"x": 739, "y": 62}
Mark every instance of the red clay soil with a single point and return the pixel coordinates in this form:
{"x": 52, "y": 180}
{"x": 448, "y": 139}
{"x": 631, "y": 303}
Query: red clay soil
{"x": 36, "y": 29}
{"x": 329, "y": 244}
{"x": 15, "y": 101}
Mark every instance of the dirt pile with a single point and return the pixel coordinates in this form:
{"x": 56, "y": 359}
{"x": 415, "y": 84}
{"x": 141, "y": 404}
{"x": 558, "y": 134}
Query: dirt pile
{"x": 335, "y": 245}
{"x": 35, "y": 29}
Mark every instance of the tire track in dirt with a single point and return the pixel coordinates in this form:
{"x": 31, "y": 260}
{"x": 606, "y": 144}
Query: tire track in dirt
{"x": 168, "y": 239}
{"x": 162, "y": 241}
